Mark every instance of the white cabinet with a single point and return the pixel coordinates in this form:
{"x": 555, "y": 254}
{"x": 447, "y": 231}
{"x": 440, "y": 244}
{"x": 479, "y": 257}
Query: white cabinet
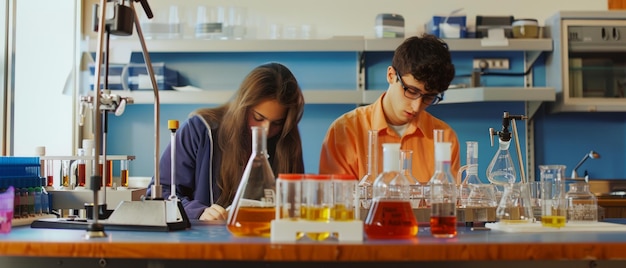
{"x": 359, "y": 95}
{"x": 588, "y": 65}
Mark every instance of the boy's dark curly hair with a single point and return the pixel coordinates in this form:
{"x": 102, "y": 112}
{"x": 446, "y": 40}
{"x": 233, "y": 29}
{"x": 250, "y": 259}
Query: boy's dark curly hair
{"x": 428, "y": 59}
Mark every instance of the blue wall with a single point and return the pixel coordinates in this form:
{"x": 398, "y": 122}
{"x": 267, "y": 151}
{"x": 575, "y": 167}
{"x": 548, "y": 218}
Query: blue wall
{"x": 562, "y": 138}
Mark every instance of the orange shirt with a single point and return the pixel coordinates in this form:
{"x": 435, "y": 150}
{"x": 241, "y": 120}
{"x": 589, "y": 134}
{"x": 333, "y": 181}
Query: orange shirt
{"x": 344, "y": 150}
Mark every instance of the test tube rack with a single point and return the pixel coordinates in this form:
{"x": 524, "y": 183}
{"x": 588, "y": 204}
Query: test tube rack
{"x": 286, "y": 230}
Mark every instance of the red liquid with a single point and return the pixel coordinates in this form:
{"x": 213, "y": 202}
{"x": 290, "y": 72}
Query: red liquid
{"x": 49, "y": 180}
{"x": 81, "y": 175}
{"x": 5, "y": 221}
{"x": 108, "y": 181}
{"x": 443, "y": 226}
{"x": 390, "y": 219}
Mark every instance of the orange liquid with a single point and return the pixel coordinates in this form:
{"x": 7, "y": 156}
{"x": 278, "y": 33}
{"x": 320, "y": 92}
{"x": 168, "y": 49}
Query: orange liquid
{"x": 390, "y": 219}
{"x": 81, "y": 175}
{"x": 443, "y": 226}
{"x": 252, "y": 221}
{"x": 124, "y": 178}
{"x": 108, "y": 181}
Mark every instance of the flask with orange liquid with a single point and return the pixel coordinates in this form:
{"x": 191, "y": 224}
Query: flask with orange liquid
{"x": 253, "y": 208}
{"x": 390, "y": 215}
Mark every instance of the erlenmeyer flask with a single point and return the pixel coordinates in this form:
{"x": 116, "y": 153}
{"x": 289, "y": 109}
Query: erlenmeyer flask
{"x": 391, "y": 215}
{"x": 501, "y": 170}
{"x": 253, "y": 208}
{"x": 416, "y": 193}
{"x": 365, "y": 184}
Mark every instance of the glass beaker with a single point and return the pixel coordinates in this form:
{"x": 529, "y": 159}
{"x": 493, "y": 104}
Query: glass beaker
{"x": 582, "y": 205}
{"x": 365, "y": 184}
{"x": 390, "y": 215}
{"x": 553, "y": 203}
{"x": 515, "y": 205}
{"x": 253, "y": 207}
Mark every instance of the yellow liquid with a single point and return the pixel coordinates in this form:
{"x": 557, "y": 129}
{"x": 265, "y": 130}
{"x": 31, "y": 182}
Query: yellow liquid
{"x": 316, "y": 214}
{"x": 553, "y": 221}
{"x": 341, "y": 213}
{"x": 66, "y": 181}
{"x": 252, "y": 221}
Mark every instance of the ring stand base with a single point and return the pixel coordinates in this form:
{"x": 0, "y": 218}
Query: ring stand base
{"x": 287, "y": 230}
{"x": 148, "y": 215}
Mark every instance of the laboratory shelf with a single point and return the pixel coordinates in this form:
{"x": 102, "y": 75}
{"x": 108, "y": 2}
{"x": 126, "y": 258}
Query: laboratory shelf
{"x": 457, "y": 95}
{"x": 468, "y": 44}
{"x": 222, "y": 96}
{"x": 356, "y": 44}
{"x": 246, "y": 45}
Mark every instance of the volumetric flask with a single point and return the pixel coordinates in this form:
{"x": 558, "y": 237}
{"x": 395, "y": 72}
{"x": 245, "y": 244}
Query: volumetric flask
{"x": 254, "y": 204}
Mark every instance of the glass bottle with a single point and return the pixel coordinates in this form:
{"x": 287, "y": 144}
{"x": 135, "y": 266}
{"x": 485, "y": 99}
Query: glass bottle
{"x": 390, "y": 215}
{"x": 582, "y": 205}
{"x": 416, "y": 197}
{"x": 365, "y": 184}
{"x": 501, "y": 170}
{"x": 253, "y": 207}
{"x": 443, "y": 191}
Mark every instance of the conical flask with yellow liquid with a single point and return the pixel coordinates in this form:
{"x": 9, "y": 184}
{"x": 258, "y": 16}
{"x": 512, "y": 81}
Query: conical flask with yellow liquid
{"x": 253, "y": 208}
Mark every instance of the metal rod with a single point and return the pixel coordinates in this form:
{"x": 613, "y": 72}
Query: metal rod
{"x": 523, "y": 178}
{"x": 156, "y": 188}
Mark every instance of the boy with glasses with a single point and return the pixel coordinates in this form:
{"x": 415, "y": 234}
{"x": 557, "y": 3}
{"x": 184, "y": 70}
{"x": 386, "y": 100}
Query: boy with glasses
{"x": 420, "y": 73}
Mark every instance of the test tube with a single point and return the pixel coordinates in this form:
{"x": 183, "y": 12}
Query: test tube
{"x": 317, "y": 201}
{"x": 124, "y": 173}
{"x": 108, "y": 177}
{"x": 345, "y": 203}
{"x": 289, "y": 196}
{"x": 49, "y": 173}
{"x": 65, "y": 173}
{"x": 81, "y": 169}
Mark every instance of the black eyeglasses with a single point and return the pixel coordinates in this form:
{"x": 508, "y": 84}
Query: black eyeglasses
{"x": 414, "y": 94}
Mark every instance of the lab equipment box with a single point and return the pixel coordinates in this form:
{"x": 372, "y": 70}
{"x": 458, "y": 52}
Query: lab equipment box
{"x": 455, "y": 26}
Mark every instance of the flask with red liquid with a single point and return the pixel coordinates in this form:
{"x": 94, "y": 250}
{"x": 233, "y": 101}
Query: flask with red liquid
{"x": 391, "y": 215}
{"x": 443, "y": 191}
